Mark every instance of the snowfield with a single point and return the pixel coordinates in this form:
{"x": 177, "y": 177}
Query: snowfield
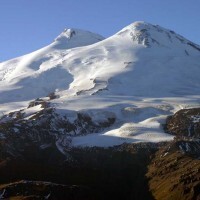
{"x": 138, "y": 76}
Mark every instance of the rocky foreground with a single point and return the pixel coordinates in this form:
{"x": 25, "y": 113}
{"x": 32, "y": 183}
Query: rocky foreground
{"x": 31, "y": 170}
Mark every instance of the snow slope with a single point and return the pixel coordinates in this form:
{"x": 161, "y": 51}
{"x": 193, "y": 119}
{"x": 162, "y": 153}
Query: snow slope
{"x": 140, "y": 75}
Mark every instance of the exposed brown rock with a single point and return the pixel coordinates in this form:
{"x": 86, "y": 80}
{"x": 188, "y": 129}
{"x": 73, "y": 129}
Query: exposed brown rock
{"x": 174, "y": 175}
{"x": 185, "y": 122}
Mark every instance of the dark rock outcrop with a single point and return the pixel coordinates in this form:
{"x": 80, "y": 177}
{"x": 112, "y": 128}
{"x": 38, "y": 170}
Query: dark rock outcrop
{"x": 185, "y": 122}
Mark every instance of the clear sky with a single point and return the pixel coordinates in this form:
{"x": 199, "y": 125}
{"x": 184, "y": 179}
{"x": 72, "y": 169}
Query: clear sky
{"x": 27, "y": 25}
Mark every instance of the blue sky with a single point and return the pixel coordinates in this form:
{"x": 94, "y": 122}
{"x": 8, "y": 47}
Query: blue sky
{"x": 27, "y": 25}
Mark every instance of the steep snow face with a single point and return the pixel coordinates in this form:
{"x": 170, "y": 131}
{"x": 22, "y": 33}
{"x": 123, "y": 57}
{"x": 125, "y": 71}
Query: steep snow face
{"x": 139, "y": 75}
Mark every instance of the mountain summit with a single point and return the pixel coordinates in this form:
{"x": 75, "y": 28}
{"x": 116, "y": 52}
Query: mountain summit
{"x": 71, "y": 38}
{"x": 155, "y": 35}
{"x": 136, "y": 77}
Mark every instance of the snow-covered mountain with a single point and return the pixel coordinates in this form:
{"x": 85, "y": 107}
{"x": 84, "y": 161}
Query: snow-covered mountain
{"x": 138, "y": 77}
{"x": 41, "y": 72}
